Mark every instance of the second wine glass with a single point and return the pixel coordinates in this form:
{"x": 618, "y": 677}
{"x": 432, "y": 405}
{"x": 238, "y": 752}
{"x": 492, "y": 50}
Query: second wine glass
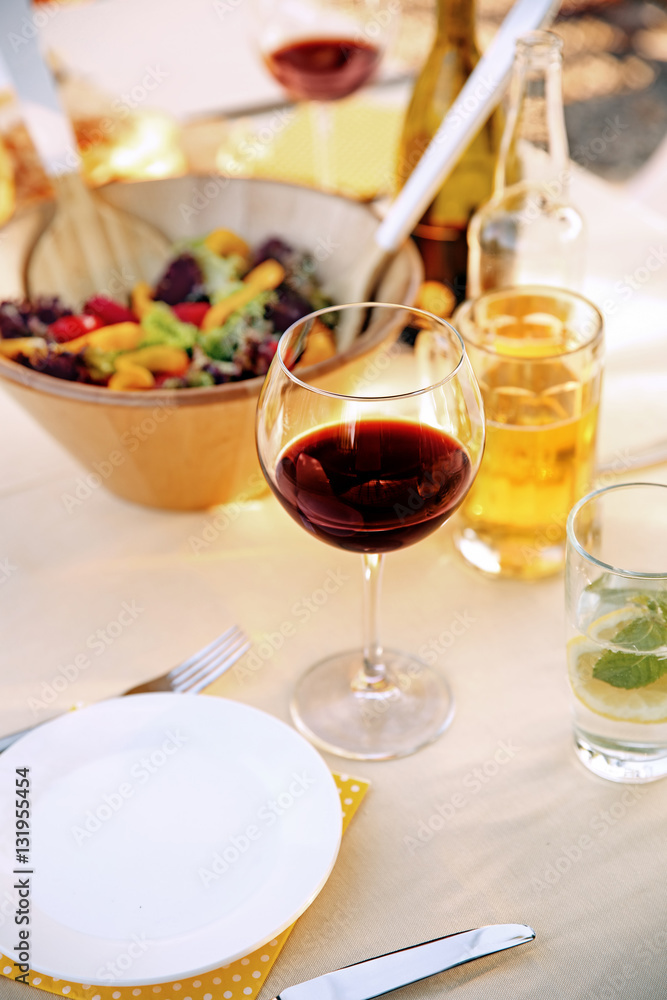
{"x": 321, "y": 51}
{"x": 372, "y": 455}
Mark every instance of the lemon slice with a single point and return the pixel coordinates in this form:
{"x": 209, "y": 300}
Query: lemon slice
{"x": 645, "y": 705}
{"x": 604, "y": 628}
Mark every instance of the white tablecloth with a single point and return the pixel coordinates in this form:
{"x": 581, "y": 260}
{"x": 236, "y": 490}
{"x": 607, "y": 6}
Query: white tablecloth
{"x": 496, "y": 821}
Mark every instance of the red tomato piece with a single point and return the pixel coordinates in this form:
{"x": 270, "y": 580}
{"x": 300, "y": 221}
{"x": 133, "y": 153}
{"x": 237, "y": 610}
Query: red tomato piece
{"x": 70, "y": 327}
{"x": 161, "y": 378}
{"x": 191, "y": 312}
{"x": 108, "y": 311}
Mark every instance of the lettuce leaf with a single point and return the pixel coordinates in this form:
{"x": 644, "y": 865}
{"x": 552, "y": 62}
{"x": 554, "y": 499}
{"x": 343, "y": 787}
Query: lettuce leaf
{"x": 225, "y": 342}
{"x": 222, "y": 275}
{"x": 161, "y": 326}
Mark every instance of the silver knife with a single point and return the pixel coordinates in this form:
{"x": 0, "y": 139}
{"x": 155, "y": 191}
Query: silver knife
{"x": 377, "y": 976}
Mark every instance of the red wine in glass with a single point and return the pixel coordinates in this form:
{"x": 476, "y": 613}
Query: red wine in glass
{"x": 387, "y": 484}
{"x": 323, "y": 69}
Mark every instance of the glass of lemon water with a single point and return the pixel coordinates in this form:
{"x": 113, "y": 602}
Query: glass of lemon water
{"x": 537, "y": 354}
{"x": 616, "y": 609}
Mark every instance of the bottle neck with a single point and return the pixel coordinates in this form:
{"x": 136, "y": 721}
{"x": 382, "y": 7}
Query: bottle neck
{"x": 457, "y": 23}
{"x": 534, "y": 144}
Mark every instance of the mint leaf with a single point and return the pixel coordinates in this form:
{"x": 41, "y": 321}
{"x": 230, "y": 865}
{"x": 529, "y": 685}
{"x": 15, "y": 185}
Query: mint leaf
{"x": 643, "y": 633}
{"x": 629, "y": 670}
{"x": 601, "y": 585}
{"x": 609, "y": 586}
{"x": 604, "y": 589}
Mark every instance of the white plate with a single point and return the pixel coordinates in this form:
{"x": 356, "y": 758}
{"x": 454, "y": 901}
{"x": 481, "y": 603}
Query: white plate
{"x": 171, "y": 834}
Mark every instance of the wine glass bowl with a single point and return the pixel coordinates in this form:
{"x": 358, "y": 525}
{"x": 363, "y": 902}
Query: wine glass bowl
{"x": 320, "y": 50}
{"x": 371, "y": 458}
{"x": 323, "y": 69}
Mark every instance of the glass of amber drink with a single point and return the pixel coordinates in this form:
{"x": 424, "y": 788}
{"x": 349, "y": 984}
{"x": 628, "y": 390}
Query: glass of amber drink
{"x": 537, "y": 355}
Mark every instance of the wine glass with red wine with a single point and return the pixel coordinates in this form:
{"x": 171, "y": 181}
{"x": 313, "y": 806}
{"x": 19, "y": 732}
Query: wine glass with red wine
{"x": 371, "y": 455}
{"x": 321, "y": 51}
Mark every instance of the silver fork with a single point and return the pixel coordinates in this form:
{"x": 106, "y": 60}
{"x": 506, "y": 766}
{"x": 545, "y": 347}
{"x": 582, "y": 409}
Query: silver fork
{"x": 205, "y": 666}
{"x": 191, "y": 676}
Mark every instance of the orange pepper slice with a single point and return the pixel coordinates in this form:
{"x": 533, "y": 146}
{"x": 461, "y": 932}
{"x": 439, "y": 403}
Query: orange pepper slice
{"x": 262, "y": 278}
{"x": 22, "y": 345}
{"x": 436, "y": 298}
{"x": 116, "y": 337}
{"x": 320, "y": 347}
{"x": 155, "y": 358}
{"x": 131, "y": 377}
{"x": 224, "y": 242}
{"x": 141, "y": 298}
{"x": 74, "y": 346}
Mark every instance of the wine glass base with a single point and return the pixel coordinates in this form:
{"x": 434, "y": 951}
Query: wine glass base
{"x": 407, "y": 713}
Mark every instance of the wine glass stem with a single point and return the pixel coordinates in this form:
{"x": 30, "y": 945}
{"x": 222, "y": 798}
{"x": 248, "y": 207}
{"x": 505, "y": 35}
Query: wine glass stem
{"x": 321, "y": 128}
{"x": 374, "y": 675}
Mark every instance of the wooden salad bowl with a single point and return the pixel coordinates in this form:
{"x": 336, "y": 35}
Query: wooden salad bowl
{"x": 190, "y": 449}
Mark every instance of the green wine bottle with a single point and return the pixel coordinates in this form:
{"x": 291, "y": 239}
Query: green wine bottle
{"x": 441, "y": 235}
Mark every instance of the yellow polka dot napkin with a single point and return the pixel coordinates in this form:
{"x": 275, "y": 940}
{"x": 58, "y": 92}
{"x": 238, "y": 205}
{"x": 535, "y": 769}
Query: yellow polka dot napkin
{"x": 239, "y": 981}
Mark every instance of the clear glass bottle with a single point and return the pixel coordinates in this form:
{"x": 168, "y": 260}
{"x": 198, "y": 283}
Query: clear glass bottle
{"x": 441, "y": 235}
{"x": 528, "y": 232}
